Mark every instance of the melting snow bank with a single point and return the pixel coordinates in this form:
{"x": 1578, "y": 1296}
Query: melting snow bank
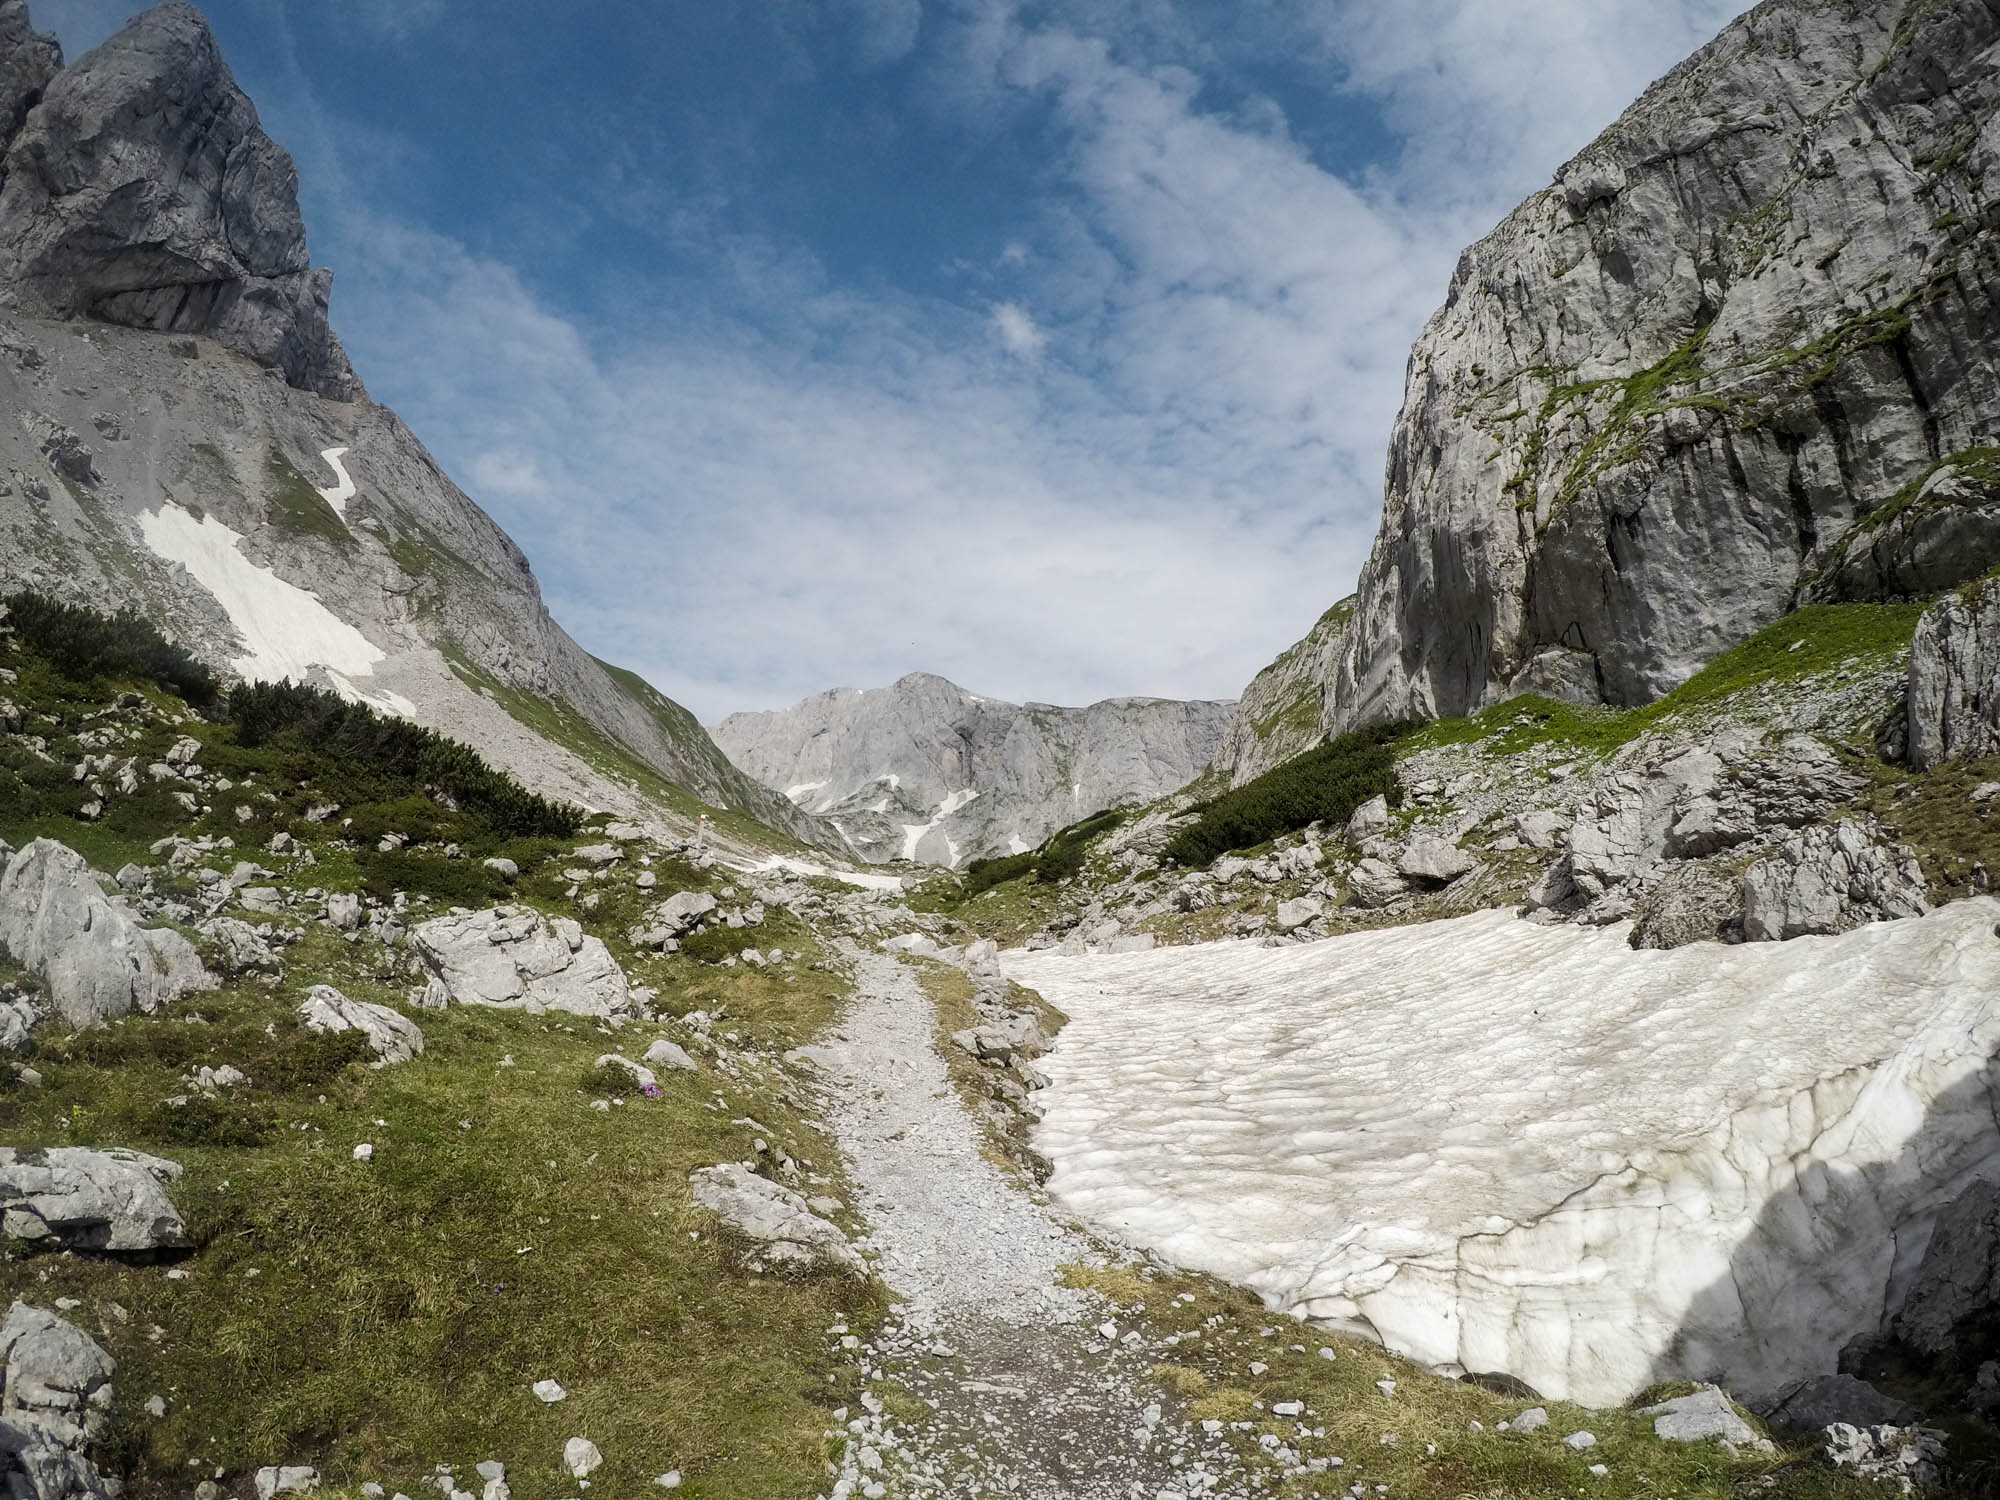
{"x": 343, "y": 491}
{"x": 287, "y": 631}
{"x": 1508, "y": 1147}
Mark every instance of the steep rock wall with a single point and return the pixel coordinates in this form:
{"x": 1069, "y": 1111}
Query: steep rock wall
{"x": 1286, "y": 710}
{"x": 1662, "y": 391}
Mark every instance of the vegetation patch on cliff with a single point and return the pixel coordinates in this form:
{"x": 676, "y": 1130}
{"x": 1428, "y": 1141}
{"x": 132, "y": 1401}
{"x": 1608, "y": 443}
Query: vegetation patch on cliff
{"x": 1322, "y": 786}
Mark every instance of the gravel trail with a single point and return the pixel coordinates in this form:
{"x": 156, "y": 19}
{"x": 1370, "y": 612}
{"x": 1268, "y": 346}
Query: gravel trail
{"x": 1032, "y": 1390}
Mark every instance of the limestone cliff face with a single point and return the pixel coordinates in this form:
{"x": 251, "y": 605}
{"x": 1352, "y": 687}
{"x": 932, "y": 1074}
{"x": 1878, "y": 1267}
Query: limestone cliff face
{"x": 1659, "y": 397}
{"x": 282, "y": 527}
{"x": 926, "y": 771}
{"x": 1286, "y": 710}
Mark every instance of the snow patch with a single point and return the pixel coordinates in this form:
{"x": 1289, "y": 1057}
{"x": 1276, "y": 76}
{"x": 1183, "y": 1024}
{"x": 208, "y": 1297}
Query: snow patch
{"x": 287, "y": 631}
{"x": 807, "y": 867}
{"x": 1018, "y": 845}
{"x": 1532, "y": 1149}
{"x": 343, "y": 491}
{"x": 956, "y": 801}
{"x": 797, "y": 793}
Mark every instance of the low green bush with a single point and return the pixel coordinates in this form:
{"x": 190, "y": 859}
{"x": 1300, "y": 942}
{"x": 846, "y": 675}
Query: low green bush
{"x": 88, "y": 646}
{"x": 984, "y": 874}
{"x": 713, "y": 944}
{"x": 1322, "y": 786}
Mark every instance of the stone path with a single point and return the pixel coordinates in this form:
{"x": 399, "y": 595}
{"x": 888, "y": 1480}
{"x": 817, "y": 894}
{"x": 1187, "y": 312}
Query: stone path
{"x": 1032, "y": 1391}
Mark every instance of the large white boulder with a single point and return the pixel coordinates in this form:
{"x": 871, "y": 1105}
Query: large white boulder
{"x": 79, "y": 1199}
{"x": 98, "y": 962}
{"x": 515, "y": 958}
{"x": 1534, "y": 1150}
{"x": 783, "y": 1232}
{"x": 392, "y": 1036}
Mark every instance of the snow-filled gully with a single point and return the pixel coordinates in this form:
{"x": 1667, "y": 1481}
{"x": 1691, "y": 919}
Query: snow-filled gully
{"x": 1508, "y": 1147}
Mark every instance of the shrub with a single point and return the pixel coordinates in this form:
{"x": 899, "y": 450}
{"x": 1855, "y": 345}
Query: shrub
{"x": 309, "y": 1060}
{"x": 289, "y": 715}
{"x": 88, "y": 646}
{"x": 1063, "y": 855}
{"x": 983, "y": 874}
{"x": 1322, "y": 786}
{"x": 456, "y": 882}
{"x": 202, "y": 1121}
{"x": 713, "y": 944}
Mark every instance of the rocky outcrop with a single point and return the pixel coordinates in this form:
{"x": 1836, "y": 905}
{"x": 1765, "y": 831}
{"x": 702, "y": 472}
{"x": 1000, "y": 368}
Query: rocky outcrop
{"x": 70, "y": 1198}
{"x": 392, "y": 1036}
{"x": 926, "y": 771}
{"x": 1286, "y": 710}
{"x": 1954, "y": 703}
{"x": 514, "y": 958}
{"x": 55, "y": 1403}
{"x": 1955, "y": 1299}
{"x": 141, "y": 190}
{"x": 1748, "y": 316}
{"x": 1829, "y": 880}
{"x": 783, "y": 1233}
{"x": 28, "y": 60}
{"x": 97, "y": 961}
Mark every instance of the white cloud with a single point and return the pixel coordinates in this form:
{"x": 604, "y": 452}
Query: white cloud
{"x": 853, "y": 484}
{"x": 1016, "y": 330}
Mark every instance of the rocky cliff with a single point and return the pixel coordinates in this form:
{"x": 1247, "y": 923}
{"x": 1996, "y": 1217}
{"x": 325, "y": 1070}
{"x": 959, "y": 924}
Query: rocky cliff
{"x": 1737, "y": 355}
{"x": 1287, "y": 709}
{"x": 153, "y": 282}
{"x": 926, "y": 771}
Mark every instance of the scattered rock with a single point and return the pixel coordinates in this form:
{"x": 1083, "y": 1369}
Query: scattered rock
{"x": 549, "y": 1392}
{"x": 1434, "y": 861}
{"x": 506, "y": 869}
{"x": 1369, "y": 820}
{"x": 239, "y": 947}
{"x": 97, "y": 961}
{"x": 292, "y": 1479}
{"x": 392, "y": 1036}
{"x": 666, "y": 1054}
{"x": 79, "y": 1199}
{"x": 580, "y": 1457}
{"x": 1532, "y": 1420}
{"x": 514, "y": 958}
{"x": 1301, "y": 911}
{"x": 1692, "y": 903}
{"x": 1707, "y": 1413}
{"x": 1909, "y": 1457}
{"x": 1372, "y": 884}
{"x": 784, "y": 1232}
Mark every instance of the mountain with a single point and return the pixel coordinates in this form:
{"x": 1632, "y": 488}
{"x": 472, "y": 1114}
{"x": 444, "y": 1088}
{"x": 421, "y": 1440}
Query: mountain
{"x": 1735, "y": 357}
{"x": 189, "y": 438}
{"x": 1286, "y": 710}
{"x": 926, "y": 771}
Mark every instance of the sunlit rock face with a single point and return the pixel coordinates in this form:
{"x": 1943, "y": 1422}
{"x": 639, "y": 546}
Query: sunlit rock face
{"x": 1661, "y": 394}
{"x": 1513, "y": 1148}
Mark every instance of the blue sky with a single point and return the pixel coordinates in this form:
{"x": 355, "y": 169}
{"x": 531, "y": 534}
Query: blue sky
{"x": 1052, "y": 347}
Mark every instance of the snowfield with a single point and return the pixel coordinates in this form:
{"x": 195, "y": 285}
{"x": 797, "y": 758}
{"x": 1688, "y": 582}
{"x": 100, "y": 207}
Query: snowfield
{"x": 1500, "y": 1146}
{"x": 287, "y": 631}
{"x": 343, "y": 491}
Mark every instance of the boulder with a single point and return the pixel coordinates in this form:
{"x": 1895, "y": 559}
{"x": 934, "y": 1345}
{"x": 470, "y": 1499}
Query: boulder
{"x": 1541, "y": 828}
{"x": 343, "y": 910}
{"x": 1955, "y": 1295}
{"x": 1954, "y": 679}
{"x": 76, "y": 1199}
{"x": 1002, "y": 1041}
{"x": 665, "y": 1054}
{"x": 1369, "y": 820}
{"x": 28, "y": 60}
{"x": 784, "y": 1232}
{"x": 18, "y": 1016}
{"x": 1430, "y": 860}
{"x": 1830, "y": 880}
{"x": 1301, "y": 911}
{"x": 506, "y": 869}
{"x": 392, "y": 1036}
{"x": 55, "y": 1401}
{"x": 1692, "y": 903}
{"x": 1826, "y": 1400}
{"x": 97, "y": 961}
{"x": 286, "y": 1479}
{"x": 514, "y": 958}
{"x": 1372, "y": 883}
{"x": 682, "y": 912}
{"x": 142, "y": 190}
{"x": 599, "y": 854}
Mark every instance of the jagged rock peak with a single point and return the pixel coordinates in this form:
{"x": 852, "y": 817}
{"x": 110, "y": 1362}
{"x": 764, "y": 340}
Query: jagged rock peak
{"x": 1756, "y": 311}
{"x": 924, "y": 770}
{"x": 141, "y": 190}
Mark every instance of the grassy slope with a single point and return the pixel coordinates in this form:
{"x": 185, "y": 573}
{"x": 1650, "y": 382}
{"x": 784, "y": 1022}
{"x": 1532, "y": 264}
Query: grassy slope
{"x": 392, "y": 1320}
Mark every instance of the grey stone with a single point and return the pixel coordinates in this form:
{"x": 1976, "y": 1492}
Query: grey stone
{"x": 580, "y": 1457}
{"x": 1002, "y": 1041}
{"x": 240, "y": 948}
{"x": 1431, "y": 860}
{"x": 55, "y": 1402}
{"x": 1954, "y": 680}
{"x": 1301, "y": 911}
{"x": 1541, "y": 828}
{"x": 1691, "y": 903}
{"x": 1369, "y": 820}
{"x": 288, "y": 1479}
{"x": 28, "y": 60}
{"x": 1532, "y": 1420}
{"x": 684, "y": 911}
{"x": 599, "y": 854}
{"x": 1827, "y": 1399}
{"x": 666, "y": 1054}
{"x": 98, "y": 963}
{"x": 1372, "y": 883}
{"x": 641, "y": 1076}
{"x": 1704, "y": 1414}
{"x": 1830, "y": 880}
{"x": 506, "y": 869}
{"x": 142, "y": 190}
{"x": 514, "y": 958}
{"x": 1955, "y": 1290}
{"x": 343, "y": 910}
{"x": 1911, "y": 1458}
{"x": 76, "y": 1199}
{"x": 392, "y": 1036}
{"x": 782, "y": 1230}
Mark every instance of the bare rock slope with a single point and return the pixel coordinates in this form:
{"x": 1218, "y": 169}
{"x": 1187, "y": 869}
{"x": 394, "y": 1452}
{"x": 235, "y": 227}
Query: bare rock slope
{"x": 926, "y": 771}
{"x": 1734, "y": 357}
{"x": 153, "y": 281}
